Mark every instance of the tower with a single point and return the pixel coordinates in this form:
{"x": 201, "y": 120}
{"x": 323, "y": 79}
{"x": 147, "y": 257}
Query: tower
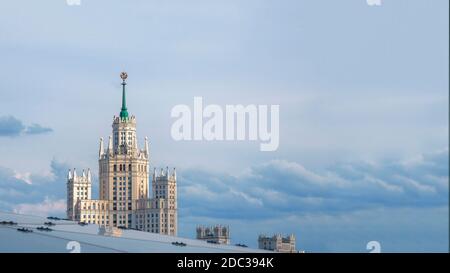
{"x": 123, "y": 168}
{"x": 277, "y": 243}
{"x": 123, "y": 184}
{"x": 164, "y": 189}
{"x": 78, "y": 188}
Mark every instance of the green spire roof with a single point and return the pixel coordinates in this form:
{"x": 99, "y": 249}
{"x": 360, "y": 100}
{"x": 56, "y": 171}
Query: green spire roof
{"x": 123, "y": 111}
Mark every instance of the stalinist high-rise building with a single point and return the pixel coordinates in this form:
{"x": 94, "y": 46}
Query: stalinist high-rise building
{"x": 124, "y": 199}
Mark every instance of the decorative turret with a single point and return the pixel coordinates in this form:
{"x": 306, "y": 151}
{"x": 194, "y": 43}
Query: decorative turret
{"x": 101, "y": 150}
{"x": 146, "y": 151}
{"x": 164, "y": 174}
{"x": 86, "y": 176}
{"x": 89, "y": 175}
{"x": 110, "y": 145}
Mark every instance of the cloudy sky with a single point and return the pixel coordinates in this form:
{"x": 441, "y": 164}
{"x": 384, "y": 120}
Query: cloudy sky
{"x": 363, "y": 95}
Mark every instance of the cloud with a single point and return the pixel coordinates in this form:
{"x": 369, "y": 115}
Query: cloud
{"x": 10, "y": 126}
{"x": 35, "y": 129}
{"x": 402, "y": 204}
{"x": 281, "y": 187}
{"x": 27, "y": 188}
{"x": 45, "y": 208}
{"x": 26, "y": 177}
{"x": 339, "y": 208}
{"x": 13, "y": 127}
{"x": 373, "y": 2}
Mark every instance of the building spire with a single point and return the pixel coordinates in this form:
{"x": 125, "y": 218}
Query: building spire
{"x": 146, "y": 146}
{"x": 110, "y": 145}
{"x": 101, "y": 150}
{"x": 124, "y": 111}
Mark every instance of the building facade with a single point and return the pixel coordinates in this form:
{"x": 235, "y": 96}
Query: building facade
{"x": 124, "y": 199}
{"x": 216, "y": 234}
{"x": 277, "y": 243}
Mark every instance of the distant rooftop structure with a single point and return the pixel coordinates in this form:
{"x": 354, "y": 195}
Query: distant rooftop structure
{"x": 109, "y": 231}
{"x": 40, "y": 234}
{"x": 277, "y": 243}
{"x": 217, "y": 234}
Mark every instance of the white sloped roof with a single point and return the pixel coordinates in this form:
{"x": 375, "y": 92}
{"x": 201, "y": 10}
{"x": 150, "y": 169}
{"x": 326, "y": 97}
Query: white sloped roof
{"x": 12, "y": 240}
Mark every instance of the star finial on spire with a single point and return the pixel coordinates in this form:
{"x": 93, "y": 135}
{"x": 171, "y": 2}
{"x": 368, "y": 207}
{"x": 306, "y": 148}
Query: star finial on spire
{"x": 123, "y": 76}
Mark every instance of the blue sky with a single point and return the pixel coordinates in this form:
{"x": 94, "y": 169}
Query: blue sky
{"x": 363, "y": 95}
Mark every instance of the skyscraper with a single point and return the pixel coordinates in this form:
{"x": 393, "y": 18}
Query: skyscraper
{"x": 123, "y": 180}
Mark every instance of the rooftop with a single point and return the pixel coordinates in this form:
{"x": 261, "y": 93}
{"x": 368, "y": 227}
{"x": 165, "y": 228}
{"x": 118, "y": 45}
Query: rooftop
{"x": 57, "y": 237}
